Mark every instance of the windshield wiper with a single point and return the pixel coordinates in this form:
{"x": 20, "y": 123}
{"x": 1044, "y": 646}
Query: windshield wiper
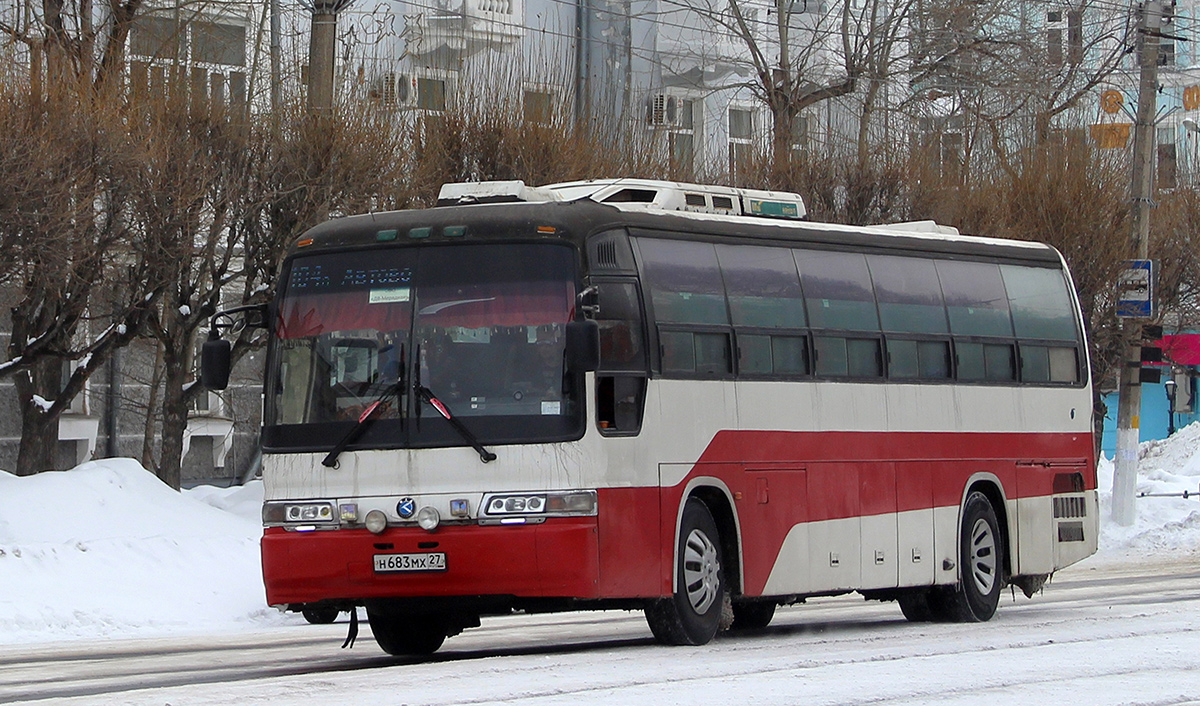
{"x": 426, "y": 395}
{"x": 368, "y": 416}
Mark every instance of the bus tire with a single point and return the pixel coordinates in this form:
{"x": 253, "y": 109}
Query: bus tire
{"x": 981, "y": 556}
{"x": 754, "y": 615}
{"x": 693, "y": 614}
{"x": 403, "y": 635}
{"x": 915, "y": 605}
{"x": 320, "y": 616}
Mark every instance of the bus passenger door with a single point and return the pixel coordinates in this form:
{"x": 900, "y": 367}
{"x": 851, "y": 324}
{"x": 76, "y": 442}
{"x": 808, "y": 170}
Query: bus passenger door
{"x": 878, "y": 523}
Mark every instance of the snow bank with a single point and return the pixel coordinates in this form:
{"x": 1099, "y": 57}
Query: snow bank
{"x": 106, "y": 549}
{"x": 1164, "y": 527}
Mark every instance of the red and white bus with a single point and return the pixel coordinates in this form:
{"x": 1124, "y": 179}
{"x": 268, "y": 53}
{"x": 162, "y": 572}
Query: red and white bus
{"x": 675, "y": 398}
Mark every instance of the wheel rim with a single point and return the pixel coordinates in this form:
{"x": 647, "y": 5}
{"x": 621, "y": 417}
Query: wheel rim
{"x": 983, "y": 562}
{"x": 701, "y": 571}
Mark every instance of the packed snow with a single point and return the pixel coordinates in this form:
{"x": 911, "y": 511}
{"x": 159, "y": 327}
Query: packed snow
{"x": 106, "y": 550}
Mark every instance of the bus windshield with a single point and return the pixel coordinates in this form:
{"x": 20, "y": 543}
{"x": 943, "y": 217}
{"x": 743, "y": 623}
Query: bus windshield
{"x": 480, "y": 327}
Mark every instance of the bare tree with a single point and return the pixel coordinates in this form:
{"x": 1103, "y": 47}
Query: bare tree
{"x": 83, "y": 287}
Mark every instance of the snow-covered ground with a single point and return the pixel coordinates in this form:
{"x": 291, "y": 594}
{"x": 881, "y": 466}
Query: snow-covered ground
{"x": 106, "y": 550}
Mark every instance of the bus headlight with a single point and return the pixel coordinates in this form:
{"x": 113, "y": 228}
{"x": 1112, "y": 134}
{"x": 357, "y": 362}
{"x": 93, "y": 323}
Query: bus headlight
{"x": 523, "y": 504}
{"x": 429, "y": 518}
{"x": 275, "y": 514}
{"x": 376, "y": 521}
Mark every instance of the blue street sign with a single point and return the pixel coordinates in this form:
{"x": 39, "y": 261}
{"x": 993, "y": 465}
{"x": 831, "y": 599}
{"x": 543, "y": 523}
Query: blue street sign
{"x": 1135, "y": 290}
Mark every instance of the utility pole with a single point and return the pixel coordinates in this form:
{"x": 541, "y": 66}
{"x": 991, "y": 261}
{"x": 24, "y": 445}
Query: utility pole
{"x": 1142, "y": 193}
{"x": 322, "y": 44}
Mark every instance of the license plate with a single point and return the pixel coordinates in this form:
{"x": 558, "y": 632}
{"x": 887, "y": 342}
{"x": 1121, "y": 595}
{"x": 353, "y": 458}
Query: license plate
{"x": 428, "y": 561}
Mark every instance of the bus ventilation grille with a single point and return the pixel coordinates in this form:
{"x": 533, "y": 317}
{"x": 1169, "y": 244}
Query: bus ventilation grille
{"x": 1069, "y": 507}
{"x": 606, "y": 254}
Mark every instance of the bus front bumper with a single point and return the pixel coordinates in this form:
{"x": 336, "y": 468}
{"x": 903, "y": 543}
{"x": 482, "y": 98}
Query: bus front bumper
{"x": 558, "y": 558}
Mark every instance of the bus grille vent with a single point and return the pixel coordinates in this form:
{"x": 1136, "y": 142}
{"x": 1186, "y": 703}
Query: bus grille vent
{"x": 606, "y": 254}
{"x": 1069, "y": 507}
{"x": 1070, "y": 531}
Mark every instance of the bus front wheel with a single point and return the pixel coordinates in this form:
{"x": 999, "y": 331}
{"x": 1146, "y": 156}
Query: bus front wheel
{"x": 401, "y": 634}
{"x": 981, "y": 556}
{"x": 693, "y": 614}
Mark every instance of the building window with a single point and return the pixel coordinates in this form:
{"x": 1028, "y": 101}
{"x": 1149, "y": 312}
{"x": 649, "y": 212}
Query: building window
{"x": 538, "y": 107}
{"x": 431, "y": 94}
{"x": 741, "y": 135}
{"x": 214, "y": 53}
{"x": 682, "y": 141}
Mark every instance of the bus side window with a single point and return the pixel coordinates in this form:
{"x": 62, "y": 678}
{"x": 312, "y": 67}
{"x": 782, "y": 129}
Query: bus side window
{"x": 621, "y": 380}
{"x": 620, "y": 400}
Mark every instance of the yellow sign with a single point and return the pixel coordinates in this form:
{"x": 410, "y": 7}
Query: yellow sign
{"x": 1111, "y": 101}
{"x": 1191, "y": 98}
{"x": 1111, "y": 136}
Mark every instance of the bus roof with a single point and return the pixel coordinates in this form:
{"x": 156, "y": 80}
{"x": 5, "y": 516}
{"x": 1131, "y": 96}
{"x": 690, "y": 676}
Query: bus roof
{"x": 575, "y": 219}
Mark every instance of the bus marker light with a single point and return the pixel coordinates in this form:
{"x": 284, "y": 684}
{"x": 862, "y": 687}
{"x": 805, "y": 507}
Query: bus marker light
{"x": 513, "y": 521}
{"x": 348, "y": 512}
{"x": 420, "y": 232}
{"x": 385, "y": 235}
{"x": 429, "y": 518}
{"x": 376, "y": 521}
{"x": 304, "y": 243}
{"x": 454, "y": 231}
{"x": 460, "y": 508}
{"x": 549, "y": 230}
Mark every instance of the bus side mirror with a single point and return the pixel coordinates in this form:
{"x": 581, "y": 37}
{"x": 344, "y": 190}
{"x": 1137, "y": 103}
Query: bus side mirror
{"x": 583, "y": 346}
{"x": 215, "y": 363}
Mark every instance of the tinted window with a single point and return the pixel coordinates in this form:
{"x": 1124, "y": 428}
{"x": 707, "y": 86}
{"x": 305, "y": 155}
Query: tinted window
{"x": 685, "y": 283}
{"x": 760, "y": 354}
{"x": 910, "y": 299}
{"x": 927, "y": 360}
{"x": 975, "y": 298}
{"x": 1041, "y": 305}
{"x": 837, "y": 288}
{"x": 1035, "y": 364}
{"x": 980, "y": 361}
{"x": 695, "y": 353}
{"x": 853, "y": 357}
{"x": 620, "y": 321}
{"x": 1048, "y": 364}
{"x": 762, "y": 285}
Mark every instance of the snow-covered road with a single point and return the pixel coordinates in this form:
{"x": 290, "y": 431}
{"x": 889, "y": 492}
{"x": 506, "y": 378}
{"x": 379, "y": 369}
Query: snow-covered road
{"x": 1100, "y": 634}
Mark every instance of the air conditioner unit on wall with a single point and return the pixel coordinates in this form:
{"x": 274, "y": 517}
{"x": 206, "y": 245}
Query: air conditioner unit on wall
{"x": 397, "y": 90}
{"x": 664, "y": 110}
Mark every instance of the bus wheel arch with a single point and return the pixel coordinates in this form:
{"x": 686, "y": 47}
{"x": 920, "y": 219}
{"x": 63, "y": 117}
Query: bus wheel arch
{"x": 705, "y": 552}
{"x": 990, "y": 488}
{"x": 982, "y": 565}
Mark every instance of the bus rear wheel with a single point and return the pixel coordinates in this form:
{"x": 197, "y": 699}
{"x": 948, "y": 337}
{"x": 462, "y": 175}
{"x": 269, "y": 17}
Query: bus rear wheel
{"x": 693, "y": 614}
{"x": 402, "y": 634}
{"x": 981, "y": 556}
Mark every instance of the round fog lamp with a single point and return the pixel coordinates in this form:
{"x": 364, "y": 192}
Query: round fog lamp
{"x": 428, "y": 518}
{"x": 376, "y": 521}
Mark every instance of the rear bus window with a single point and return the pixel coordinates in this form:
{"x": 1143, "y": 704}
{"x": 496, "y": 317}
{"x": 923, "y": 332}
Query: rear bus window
{"x": 1041, "y": 304}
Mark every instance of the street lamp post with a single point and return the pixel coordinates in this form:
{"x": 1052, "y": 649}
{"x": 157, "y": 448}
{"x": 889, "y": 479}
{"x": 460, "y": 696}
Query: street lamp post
{"x": 1170, "y": 386}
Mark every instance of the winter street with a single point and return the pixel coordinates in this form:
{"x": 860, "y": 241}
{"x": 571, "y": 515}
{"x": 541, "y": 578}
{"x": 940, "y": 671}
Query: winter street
{"x": 1101, "y": 633}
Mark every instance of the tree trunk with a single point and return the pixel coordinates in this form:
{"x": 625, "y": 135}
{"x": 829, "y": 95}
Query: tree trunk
{"x": 174, "y": 419}
{"x": 151, "y": 406}
{"x": 39, "y": 430}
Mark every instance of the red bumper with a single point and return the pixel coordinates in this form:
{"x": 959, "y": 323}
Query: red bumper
{"x": 556, "y": 559}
